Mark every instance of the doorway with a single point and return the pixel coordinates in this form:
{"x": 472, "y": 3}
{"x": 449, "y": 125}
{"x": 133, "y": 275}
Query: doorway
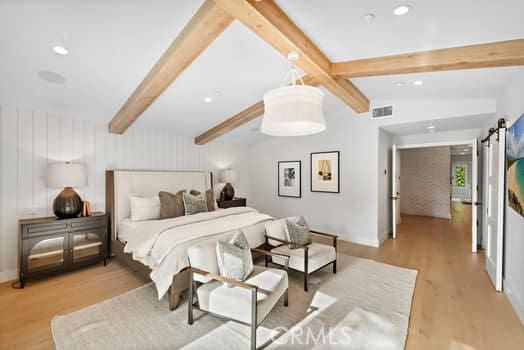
{"x": 440, "y": 207}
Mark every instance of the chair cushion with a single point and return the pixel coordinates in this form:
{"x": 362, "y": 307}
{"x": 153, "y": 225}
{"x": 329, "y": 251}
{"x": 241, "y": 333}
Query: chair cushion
{"x": 277, "y": 229}
{"x": 234, "y": 258}
{"x": 319, "y": 255}
{"x": 235, "y": 303}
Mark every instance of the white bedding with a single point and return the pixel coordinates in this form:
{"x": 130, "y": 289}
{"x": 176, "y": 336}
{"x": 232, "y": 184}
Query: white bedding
{"x": 162, "y": 244}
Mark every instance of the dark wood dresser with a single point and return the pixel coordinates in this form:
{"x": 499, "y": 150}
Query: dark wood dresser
{"x": 49, "y": 245}
{"x": 235, "y": 202}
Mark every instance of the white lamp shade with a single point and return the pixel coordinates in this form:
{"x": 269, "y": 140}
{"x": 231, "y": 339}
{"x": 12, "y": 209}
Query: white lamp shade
{"x": 228, "y": 175}
{"x": 60, "y": 175}
{"x": 293, "y": 111}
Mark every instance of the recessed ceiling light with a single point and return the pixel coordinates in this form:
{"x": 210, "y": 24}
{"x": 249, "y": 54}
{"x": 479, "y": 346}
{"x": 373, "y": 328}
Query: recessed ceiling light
{"x": 208, "y": 99}
{"x": 399, "y": 83}
{"x": 369, "y": 17}
{"x": 431, "y": 127}
{"x": 418, "y": 82}
{"x": 61, "y": 50}
{"x": 51, "y": 77}
{"x": 401, "y": 10}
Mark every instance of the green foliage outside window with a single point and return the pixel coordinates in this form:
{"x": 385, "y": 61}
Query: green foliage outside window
{"x": 460, "y": 176}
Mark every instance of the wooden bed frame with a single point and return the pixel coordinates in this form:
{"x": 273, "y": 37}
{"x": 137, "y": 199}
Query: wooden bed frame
{"x": 180, "y": 281}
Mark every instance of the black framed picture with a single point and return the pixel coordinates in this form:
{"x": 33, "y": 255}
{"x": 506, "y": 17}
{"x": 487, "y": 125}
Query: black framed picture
{"x": 290, "y": 179}
{"x": 325, "y": 172}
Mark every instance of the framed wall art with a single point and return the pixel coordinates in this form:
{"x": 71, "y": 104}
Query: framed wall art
{"x": 290, "y": 179}
{"x": 325, "y": 172}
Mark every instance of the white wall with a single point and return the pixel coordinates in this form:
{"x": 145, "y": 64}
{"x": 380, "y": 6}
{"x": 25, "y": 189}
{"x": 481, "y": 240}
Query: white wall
{"x": 511, "y": 105}
{"x": 30, "y": 140}
{"x": 361, "y": 212}
{"x": 425, "y": 182}
{"x": 353, "y": 212}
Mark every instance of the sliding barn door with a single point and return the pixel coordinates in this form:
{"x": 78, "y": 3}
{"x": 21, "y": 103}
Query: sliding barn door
{"x": 495, "y": 206}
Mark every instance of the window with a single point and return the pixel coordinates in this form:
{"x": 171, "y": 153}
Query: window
{"x": 460, "y": 176}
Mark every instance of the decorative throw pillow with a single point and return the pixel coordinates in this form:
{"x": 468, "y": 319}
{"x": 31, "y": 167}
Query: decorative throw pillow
{"x": 210, "y": 198}
{"x": 234, "y": 258}
{"x": 297, "y": 231}
{"x": 194, "y": 204}
{"x": 171, "y": 205}
{"x": 144, "y": 208}
{"x": 277, "y": 229}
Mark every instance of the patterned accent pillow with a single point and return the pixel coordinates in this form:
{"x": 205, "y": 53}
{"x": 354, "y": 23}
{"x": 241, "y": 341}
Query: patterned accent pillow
{"x": 234, "y": 258}
{"x": 297, "y": 231}
{"x": 171, "y": 205}
{"x": 210, "y": 198}
{"x": 194, "y": 204}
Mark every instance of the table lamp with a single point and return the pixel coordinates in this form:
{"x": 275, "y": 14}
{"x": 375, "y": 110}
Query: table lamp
{"x": 68, "y": 203}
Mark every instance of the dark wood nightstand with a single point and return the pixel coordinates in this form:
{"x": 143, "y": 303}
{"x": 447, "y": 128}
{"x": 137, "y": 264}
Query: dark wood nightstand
{"x": 235, "y": 202}
{"x": 50, "y": 245}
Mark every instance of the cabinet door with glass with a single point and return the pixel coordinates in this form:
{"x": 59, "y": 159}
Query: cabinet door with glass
{"x": 87, "y": 246}
{"x": 44, "y": 254}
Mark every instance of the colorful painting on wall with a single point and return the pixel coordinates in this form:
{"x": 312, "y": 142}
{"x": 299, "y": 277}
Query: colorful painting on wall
{"x": 515, "y": 165}
{"x": 289, "y": 179}
{"x": 325, "y": 172}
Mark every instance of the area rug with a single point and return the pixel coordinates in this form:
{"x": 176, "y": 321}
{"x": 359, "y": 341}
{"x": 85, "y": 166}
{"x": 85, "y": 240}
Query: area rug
{"x": 366, "y": 305}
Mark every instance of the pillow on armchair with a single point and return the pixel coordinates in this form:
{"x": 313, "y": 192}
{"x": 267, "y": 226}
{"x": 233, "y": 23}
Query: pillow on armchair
{"x": 234, "y": 258}
{"x": 297, "y": 231}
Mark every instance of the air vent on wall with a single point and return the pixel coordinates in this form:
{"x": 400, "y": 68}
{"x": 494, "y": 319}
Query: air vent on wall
{"x": 382, "y": 112}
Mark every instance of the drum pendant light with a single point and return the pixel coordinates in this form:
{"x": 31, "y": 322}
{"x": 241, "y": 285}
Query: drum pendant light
{"x": 293, "y": 109}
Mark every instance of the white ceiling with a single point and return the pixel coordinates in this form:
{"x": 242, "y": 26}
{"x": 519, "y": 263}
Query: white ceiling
{"x": 114, "y": 43}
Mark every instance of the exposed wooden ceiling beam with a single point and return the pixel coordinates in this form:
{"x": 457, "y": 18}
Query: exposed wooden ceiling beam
{"x": 497, "y": 54}
{"x": 269, "y": 22}
{"x": 203, "y": 28}
{"x": 247, "y": 115}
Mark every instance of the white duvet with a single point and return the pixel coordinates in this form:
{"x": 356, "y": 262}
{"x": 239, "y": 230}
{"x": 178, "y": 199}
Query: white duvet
{"x": 162, "y": 244}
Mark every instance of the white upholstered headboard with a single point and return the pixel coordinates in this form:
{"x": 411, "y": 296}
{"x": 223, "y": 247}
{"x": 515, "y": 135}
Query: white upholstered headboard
{"x": 122, "y": 183}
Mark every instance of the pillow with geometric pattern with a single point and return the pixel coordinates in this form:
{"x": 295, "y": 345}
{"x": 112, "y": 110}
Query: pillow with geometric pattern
{"x": 234, "y": 258}
{"x": 297, "y": 231}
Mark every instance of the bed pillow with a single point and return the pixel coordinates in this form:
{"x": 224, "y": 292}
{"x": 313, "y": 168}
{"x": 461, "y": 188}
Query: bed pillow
{"x": 171, "y": 205}
{"x": 297, "y": 231}
{"x": 144, "y": 208}
{"x": 277, "y": 229}
{"x": 194, "y": 204}
{"x": 210, "y": 199}
{"x": 234, "y": 258}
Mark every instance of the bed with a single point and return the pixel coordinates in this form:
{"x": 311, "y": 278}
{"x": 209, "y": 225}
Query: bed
{"x": 157, "y": 249}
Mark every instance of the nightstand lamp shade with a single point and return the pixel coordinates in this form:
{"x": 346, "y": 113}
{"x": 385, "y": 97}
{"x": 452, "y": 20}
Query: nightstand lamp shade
{"x": 228, "y": 176}
{"x": 68, "y": 204}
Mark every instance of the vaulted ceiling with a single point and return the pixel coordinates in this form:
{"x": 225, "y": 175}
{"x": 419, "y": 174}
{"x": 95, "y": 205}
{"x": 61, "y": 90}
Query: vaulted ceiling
{"x": 114, "y": 43}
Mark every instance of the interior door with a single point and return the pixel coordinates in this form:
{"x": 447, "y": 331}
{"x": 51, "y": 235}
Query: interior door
{"x": 495, "y": 207}
{"x": 395, "y": 189}
{"x": 474, "y": 195}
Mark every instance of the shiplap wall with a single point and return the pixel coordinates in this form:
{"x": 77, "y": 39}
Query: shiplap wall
{"x": 30, "y": 140}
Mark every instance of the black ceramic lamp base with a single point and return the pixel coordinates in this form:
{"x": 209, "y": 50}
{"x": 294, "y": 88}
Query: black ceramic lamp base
{"x": 68, "y": 204}
{"x": 229, "y": 192}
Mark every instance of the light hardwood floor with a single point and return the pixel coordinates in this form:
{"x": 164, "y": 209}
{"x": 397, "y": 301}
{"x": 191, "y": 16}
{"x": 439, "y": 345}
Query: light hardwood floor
{"x": 454, "y": 306}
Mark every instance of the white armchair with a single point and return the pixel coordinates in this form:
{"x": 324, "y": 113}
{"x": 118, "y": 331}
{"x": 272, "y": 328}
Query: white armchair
{"x": 305, "y": 258}
{"x": 248, "y": 302}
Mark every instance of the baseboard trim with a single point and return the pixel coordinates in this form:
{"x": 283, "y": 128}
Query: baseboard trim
{"x": 8, "y": 275}
{"x": 383, "y": 237}
{"x": 358, "y": 239}
{"x": 518, "y": 305}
